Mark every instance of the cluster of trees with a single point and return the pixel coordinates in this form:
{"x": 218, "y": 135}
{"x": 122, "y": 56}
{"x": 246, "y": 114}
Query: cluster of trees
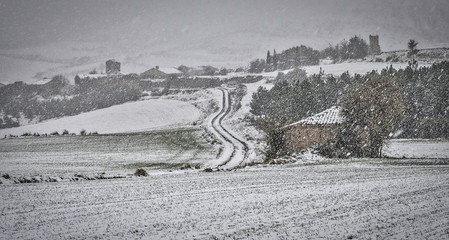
{"x": 58, "y": 98}
{"x": 355, "y": 48}
{"x": 426, "y": 96}
{"x": 372, "y": 112}
{"x": 293, "y": 99}
{"x": 413, "y": 101}
{"x": 287, "y": 59}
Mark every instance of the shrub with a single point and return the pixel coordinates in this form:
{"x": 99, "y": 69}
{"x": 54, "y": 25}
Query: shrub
{"x": 6, "y": 176}
{"x": 208, "y": 170}
{"x": 55, "y": 133}
{"x": 140, "y": 172}
{"x": 83, "y": 132}
{"x": 65, "y": 132}
{"x": 186, "y": 166}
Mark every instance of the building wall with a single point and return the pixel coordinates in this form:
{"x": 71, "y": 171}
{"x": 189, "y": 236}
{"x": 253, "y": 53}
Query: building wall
{"x": 303, "y": 136}
{"x": 112, "y": 67}
{"x": 374, "y": 47}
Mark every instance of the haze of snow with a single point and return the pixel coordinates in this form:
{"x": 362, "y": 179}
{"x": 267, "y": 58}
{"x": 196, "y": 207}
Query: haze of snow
{"x": 77, "y": 36}
{"x": 129, "y": 117}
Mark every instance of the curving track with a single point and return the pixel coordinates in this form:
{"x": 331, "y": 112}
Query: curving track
{"x": 235, "y": 149}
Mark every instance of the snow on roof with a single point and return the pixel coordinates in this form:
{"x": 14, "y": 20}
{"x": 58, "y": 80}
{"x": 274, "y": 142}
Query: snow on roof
{"x": 328, "y": 116}
{"x": 42, "y": 81}
{"x": 170, "y": 70}
{"x": 92, "y": 76}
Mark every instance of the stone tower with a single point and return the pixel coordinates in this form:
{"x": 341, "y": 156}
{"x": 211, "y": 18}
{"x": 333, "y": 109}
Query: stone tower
{"x": 112, "y": 67}
{"x": 374, "y": 47}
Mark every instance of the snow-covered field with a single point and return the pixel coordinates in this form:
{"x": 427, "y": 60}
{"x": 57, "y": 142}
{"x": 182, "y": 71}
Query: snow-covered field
{"x": 114, "y": 154}
{"x": 340, "y": 201}
{"x": 353, "y": 67}
{"x": 129, "y": 117}
{"x": 417, "y": 148}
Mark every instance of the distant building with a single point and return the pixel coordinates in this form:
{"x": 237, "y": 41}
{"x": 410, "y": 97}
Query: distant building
{"x": 159, "y": 73}
{"x": 313, "y": 130}
{"x": 112, "y": 67}
{"x": 374, "y": 47}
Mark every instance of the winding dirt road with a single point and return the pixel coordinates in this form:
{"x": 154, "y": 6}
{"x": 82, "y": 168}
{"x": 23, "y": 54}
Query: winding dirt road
{"x": 235, "y": 149}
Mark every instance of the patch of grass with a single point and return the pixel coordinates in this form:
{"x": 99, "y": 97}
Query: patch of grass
{"x": 179, "y": 139}
{"x": 184, "y": 140}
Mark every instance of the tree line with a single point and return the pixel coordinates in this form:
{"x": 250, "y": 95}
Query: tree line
{"x": 424, "y": 93}
{"x": 355, "y": 48}
{"x": 58, "y": 98}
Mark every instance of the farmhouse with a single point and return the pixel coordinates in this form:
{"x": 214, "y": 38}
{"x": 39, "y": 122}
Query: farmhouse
{"x": 313, "y": 130}
{"x": 159, "y": 73}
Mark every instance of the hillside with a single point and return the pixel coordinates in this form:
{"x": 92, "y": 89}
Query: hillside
{"x": 129, "y": 117}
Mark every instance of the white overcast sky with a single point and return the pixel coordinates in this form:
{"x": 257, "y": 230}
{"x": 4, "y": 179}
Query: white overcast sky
{"x": 198, "y": 31}
{"x": 24, "y": 22}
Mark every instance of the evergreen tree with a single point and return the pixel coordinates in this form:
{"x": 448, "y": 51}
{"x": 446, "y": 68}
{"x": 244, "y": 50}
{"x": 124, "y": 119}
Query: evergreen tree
{"x": 268, "y": 61}
{"x": 297, "y": 57}
{"x": 275, "y": 60}
{"x": 412, "y": 52}
{"x": 412, "y": 47}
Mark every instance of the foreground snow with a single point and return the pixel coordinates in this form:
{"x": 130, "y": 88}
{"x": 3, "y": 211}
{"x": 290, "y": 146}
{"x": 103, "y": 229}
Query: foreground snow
{"x": 129, "y": 117}
{"x": 298, "y": 202}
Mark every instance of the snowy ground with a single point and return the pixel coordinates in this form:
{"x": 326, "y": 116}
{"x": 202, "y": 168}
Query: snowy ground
{"x": 129, "y": 117}
{"x": 357, "y": 198}
{"x": 353, "y": 67}
{"x": 417, "y": 148}
{"x": 114, "y": 154}
{"x": 339, "y": 201}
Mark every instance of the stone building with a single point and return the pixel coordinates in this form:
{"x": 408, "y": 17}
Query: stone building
{"x": 313, "y": 130}
{"x": 112, "y": 67}
{"x": 374, "y": 47}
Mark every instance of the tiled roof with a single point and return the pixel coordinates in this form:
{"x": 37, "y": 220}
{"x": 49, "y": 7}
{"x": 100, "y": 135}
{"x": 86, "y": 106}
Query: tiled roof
{"x": 328, "y": 116}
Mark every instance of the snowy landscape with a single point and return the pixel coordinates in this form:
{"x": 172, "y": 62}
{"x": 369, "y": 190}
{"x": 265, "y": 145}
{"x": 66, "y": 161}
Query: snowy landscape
{"x": 334, "y": 129}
